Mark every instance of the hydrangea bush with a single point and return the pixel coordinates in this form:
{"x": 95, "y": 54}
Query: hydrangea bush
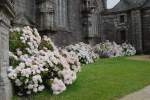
{"x": 111, "y": 49}
{"x": 35, "y": 63}
{"x": 128, "y": 49}
{"x": 84, "y": 52}
{"x": 108, "y": 49}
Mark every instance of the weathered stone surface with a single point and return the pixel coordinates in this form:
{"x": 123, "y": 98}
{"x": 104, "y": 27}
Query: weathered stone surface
{"x": 146, "y": 30}
{"x": 25, "y": 12}
{"x": 6, "y": 14}
{"x": 5, "y": 87}
{"x": 62, "y": 17}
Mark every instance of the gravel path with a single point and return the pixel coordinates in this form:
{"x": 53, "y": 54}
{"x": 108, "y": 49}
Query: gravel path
{"x": 143, "y": 94}
{"x": 141, "y": 57}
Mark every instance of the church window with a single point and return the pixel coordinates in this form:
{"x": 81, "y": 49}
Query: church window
{"x": 122, "y": 18}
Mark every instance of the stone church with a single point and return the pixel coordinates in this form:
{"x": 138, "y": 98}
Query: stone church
{"x": 65, "y": 21}
{"x": 72, "y": 21}
{"x": 128, "y": 21}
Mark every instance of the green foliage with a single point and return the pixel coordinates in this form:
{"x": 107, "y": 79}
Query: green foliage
{"x": 13, "y": 62}
{"x": 45, "y": 44}
{"x": 15, "y": 42}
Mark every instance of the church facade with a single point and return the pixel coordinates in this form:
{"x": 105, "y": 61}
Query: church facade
{"x": 65, "y": 21}
{"x": 72, "y": 21}
{"x": 128, "y": 21}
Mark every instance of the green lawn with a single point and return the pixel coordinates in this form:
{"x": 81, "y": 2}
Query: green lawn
{"x": 107, "y": 79}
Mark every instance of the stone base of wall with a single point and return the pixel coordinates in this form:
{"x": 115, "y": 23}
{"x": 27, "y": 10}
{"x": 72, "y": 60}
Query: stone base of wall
{"x": 63, "y": 38}
{"x": 5, "y": 89}
{"x": 94, "y": 40}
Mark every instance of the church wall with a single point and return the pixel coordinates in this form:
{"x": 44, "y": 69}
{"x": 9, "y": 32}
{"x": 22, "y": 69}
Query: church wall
{"x": 112, "y": 27}
{"x": 108, "y": 27}
{"x": 137, "y": 29}
{"x": 124, "y": 27}
{"x": 74, "y": 18}
{"x": 45, "y": 15}
{"x": 6, "y": 14}
{"x": 146, "y": 29}
{"x": 94, "y": 33}
{"x": 68, "y": 23}
{"x": 61, "y": 12}
{"x": 25, "y": 8}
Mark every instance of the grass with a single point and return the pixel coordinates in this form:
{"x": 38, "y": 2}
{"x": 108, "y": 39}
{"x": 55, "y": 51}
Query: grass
{"x": 107, "y": 79}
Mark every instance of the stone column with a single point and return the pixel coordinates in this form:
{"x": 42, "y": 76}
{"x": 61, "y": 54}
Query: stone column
{"x": 6, "y": 14}
{"x": 137, "y": 29}
{"x": 45, "y": 15}
{"x": 61, "y": 14}
{"x": 65, "y": 13}
{"x": 58, "y": 13}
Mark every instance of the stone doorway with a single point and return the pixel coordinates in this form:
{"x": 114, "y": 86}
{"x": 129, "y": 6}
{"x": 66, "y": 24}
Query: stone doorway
{"x": 121, "y": 36}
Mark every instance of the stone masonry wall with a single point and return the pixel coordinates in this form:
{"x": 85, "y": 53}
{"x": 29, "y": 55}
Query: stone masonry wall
{"x": 146, "y": 30}
{"x": 108, "y": 27}
{"x": 132, "y": 25}
{"x": 25, "y": 12}
{"x": 74, "y": 17}
{"x": 5, "y": 87}
{"x": 137, "y": 29}
{"x": 5, "y": 17}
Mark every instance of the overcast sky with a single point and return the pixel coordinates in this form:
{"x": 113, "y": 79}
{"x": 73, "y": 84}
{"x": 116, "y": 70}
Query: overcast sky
{"x": 111, "y": 3}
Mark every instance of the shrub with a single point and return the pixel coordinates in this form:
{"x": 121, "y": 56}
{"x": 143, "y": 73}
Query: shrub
{"x": 111, "y": 49}
{"x": 36, "y": 63}
{"x": 84, "y": 52}
{"x": 128, "y": 49}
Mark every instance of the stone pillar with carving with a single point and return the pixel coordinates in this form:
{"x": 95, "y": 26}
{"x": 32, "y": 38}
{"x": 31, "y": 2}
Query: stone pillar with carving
{"x": 102, "y": 7}
{"x": 90, "y": 11}
{"x": 6, "y": 14}
{"x": 45, "y": 16}
{"x": 61, "y": 14}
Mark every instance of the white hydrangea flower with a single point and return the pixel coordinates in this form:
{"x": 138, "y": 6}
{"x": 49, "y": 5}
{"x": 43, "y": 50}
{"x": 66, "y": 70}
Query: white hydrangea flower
{"x": 68, "y": 76}
{"x": 58, "y": 86}
{"x": 13, "y": 56}
{"x": 41, "y": 88}
{"x": 18, "y": 82}
{"x": 35, "y": 90}
{"x": 30, "y": 86}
